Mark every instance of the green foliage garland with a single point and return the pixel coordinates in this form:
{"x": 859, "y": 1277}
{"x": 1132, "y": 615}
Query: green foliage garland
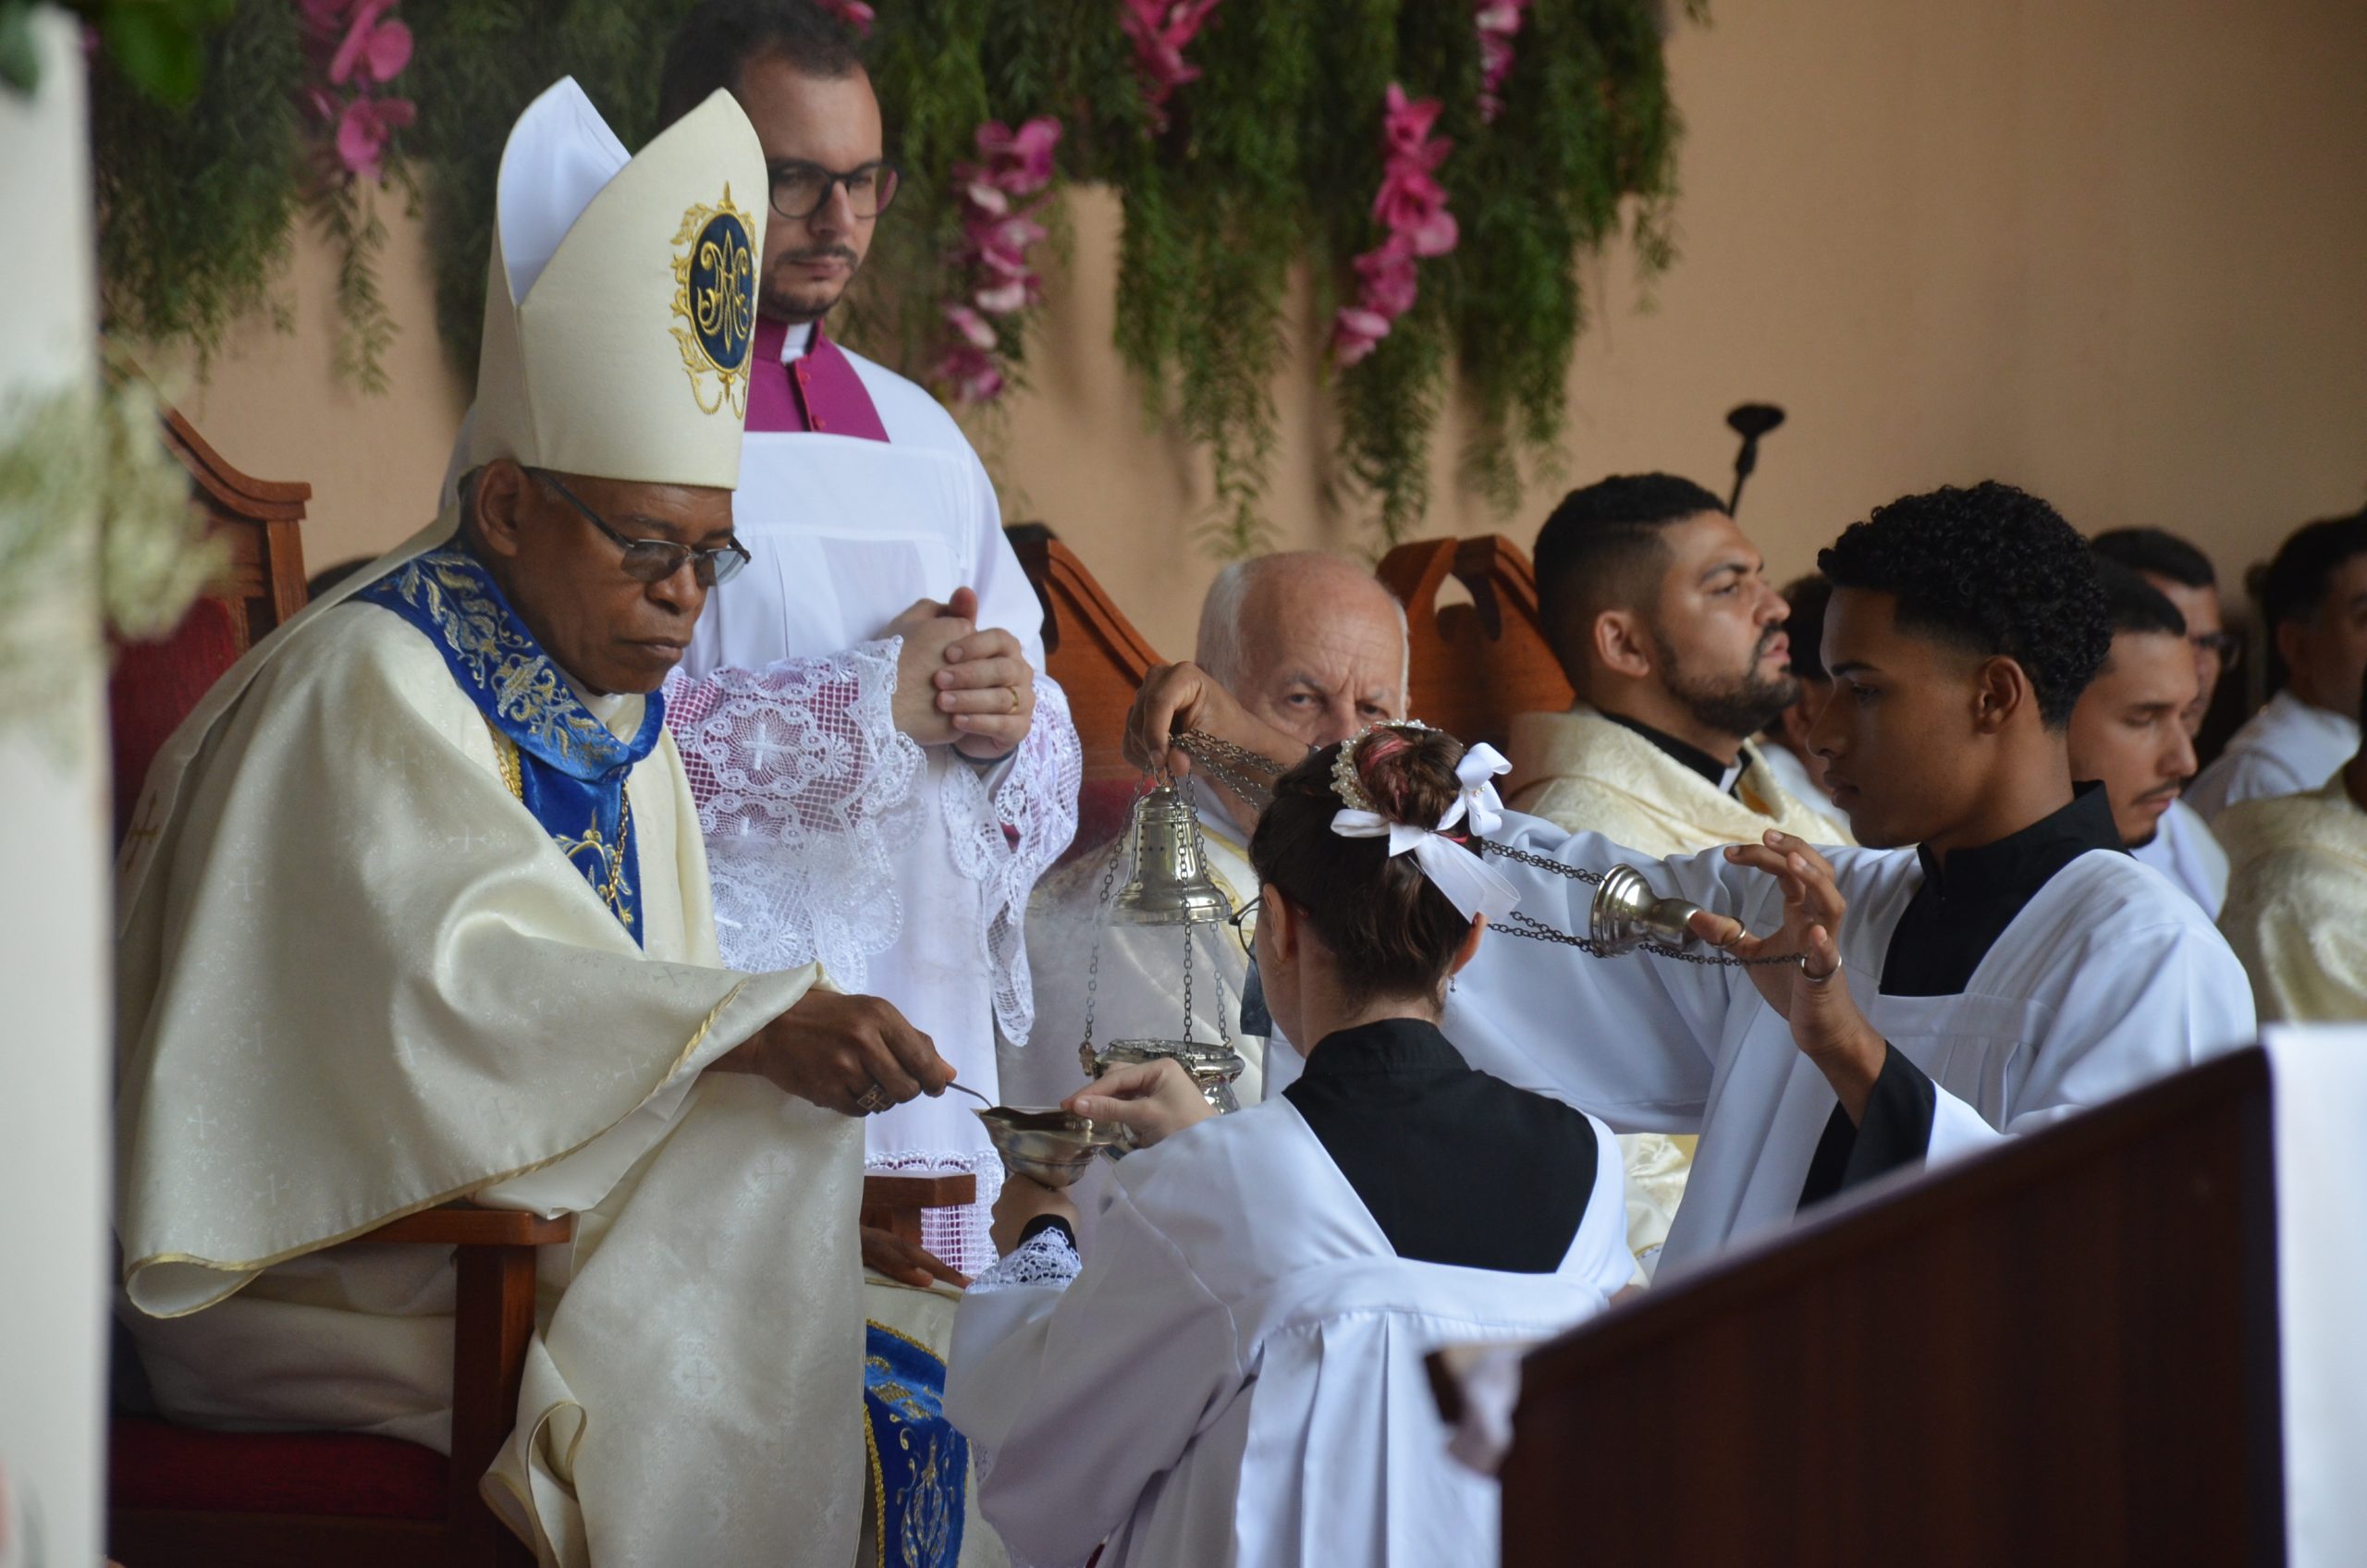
{"x": 1265, "y": 169}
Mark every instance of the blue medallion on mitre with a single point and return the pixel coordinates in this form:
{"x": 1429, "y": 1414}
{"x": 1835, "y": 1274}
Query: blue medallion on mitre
{"x": 920, "y": 1465}
{"x": 723, "y": 289}
{"x": 569, "y": 767}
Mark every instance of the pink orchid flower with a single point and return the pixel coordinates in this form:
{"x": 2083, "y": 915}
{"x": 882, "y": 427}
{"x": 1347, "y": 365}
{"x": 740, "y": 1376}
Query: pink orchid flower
{"x": 1021, "y": 159}
{"x": 1355, "y": 333}
{"x": 1405, "y": 126}
{"x": 854, "y": 12}
{"x": 1388, "y": 280}
{"x": 976, "y": 191}
{"x": 1003, "y": 299}
{"x": 374, "y": 51}
{"x": 974, "y": 328}
{"x": 1161, "y": 29}
{"x": 971, "y": 373}
{"x": 1407, "y": 197}
{"x": 363, "y": 130}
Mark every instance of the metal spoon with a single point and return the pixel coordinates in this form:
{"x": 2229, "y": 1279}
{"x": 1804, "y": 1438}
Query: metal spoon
{"x": 972, "y": 1093}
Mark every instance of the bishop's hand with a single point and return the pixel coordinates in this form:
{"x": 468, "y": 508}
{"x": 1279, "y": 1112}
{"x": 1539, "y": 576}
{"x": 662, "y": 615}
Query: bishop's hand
{"x": 1813, "y": 993}
{"x": 854, "y": 1055}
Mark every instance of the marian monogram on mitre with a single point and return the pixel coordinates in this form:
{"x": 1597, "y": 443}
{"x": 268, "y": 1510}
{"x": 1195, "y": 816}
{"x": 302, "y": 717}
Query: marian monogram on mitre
{"x": 714, "y": 295}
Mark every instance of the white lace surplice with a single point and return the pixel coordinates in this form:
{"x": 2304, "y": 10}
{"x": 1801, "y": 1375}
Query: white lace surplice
{"x": 904, "y": 870}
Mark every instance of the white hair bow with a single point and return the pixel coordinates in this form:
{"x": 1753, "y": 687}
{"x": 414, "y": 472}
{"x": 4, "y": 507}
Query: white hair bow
{"x": 1470, "y": 884}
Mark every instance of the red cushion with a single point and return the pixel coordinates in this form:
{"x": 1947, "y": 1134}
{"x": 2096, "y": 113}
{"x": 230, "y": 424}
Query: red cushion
{"x": 155, "y": 685}
{"x": 345, "y": 1474}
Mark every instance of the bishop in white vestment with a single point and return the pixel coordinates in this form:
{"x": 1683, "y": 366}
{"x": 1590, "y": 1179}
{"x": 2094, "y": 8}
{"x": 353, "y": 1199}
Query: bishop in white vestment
{"x": 419, "y": 912}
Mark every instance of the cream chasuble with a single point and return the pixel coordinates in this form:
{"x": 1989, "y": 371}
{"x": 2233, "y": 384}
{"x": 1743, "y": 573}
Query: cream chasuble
{"x": 359, "y": 979}
{"x": 2297, "y": 902}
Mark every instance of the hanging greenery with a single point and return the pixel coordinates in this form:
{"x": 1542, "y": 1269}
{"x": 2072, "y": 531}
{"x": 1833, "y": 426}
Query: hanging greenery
{"x": 1251, "y": 143}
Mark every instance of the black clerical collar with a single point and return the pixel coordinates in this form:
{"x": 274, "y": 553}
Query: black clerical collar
{"x": 1967, "y": 901}
{"x": 1682, "y": 752}
{"x": 1390, "y": 1046}
{"x": 2019, "y": 864}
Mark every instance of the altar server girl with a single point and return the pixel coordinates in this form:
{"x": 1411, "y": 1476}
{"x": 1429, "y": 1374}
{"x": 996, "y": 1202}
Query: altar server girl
{"x": 1234, "y": 1375}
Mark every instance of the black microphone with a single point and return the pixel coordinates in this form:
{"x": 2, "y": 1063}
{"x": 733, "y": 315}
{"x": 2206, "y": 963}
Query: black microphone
{"x": 1749, "y": 420}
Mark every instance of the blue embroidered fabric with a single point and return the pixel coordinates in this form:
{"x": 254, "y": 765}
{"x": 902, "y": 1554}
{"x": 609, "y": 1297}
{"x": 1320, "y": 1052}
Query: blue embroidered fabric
{"x": 920, "y": 1465}
{"x": 571, "y": 767}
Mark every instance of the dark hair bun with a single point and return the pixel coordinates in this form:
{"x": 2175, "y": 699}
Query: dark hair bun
{"x": 1392, "y": 933}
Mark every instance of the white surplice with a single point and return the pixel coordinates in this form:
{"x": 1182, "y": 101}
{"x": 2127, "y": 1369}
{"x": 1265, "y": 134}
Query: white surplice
{"x": 2107, "y": 979}
{"x": 1235, "y": 1379}
{"x": 358, "y": 979}
{"x": 2184, "y": 849}
{"x": 907, "y": 871}
{"x": 2287, "y": 747}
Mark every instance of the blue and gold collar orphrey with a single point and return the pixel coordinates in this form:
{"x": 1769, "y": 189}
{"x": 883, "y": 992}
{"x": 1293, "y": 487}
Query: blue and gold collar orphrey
{"x": 562, "y": 762}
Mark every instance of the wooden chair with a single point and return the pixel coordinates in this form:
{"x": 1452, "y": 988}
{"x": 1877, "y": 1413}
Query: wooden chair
{"x": 1100, "y": 661}
{"x": 1475, "y": 665}
{"x": 179, "y": 1497}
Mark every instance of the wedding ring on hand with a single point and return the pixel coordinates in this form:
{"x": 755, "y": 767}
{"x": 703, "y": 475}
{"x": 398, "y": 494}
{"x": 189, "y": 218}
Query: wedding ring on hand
{"x": 873, "y": 1100}
{"x": 1817, "y": 979}
{"x": 1014, "y": 697}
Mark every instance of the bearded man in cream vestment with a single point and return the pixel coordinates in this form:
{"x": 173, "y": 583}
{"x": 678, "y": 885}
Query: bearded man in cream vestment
{"x": 419, "y": 910}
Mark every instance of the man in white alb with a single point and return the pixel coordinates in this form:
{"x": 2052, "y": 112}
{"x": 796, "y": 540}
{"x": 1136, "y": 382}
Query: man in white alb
{"x": 2314, "y": 603}
{"x": 417, "y": 910}
{"x": 2129, "y": 733}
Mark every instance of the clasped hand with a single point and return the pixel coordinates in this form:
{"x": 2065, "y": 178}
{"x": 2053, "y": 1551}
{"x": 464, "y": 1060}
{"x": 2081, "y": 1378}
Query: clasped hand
{"x": 1813, "y": 994}
{"x": 959, "y": 685}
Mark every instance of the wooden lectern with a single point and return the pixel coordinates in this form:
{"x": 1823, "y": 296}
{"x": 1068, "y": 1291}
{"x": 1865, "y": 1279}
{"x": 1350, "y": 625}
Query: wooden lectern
{"x": 2063, "y": 1351}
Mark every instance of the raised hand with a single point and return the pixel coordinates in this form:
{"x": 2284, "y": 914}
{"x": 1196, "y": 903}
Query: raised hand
{"x": 1813, "y": 993}
{"x": 1177, "y": 697}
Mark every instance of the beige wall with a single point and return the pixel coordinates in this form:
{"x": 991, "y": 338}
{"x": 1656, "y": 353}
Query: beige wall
{"x": 2110, "y": 251}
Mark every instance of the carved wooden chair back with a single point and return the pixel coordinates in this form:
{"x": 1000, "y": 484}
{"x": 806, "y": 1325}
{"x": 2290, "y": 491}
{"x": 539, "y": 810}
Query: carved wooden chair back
{"x": 1475, "y": 664}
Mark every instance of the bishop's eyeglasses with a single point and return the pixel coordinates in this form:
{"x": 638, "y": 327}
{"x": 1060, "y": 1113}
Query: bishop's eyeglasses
{"x": 800, "y": 189}
{"x": 655, "y": 561}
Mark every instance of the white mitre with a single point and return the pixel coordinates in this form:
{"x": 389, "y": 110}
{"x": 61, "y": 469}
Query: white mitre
{"x": 621, "y": 302}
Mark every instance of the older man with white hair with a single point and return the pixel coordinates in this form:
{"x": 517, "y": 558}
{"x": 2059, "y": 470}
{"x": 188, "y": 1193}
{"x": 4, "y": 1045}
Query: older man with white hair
{"x": 1314, "y": 645}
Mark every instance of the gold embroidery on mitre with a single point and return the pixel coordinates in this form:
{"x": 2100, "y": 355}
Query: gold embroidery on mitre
{"x": 715, "y": 297}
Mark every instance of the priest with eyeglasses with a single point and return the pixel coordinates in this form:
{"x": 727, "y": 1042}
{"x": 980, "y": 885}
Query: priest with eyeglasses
{"x": 428, "y": 918}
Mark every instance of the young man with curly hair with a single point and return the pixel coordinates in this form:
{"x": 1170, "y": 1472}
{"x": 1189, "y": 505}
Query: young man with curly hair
{"x": 1989, "y": 962}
